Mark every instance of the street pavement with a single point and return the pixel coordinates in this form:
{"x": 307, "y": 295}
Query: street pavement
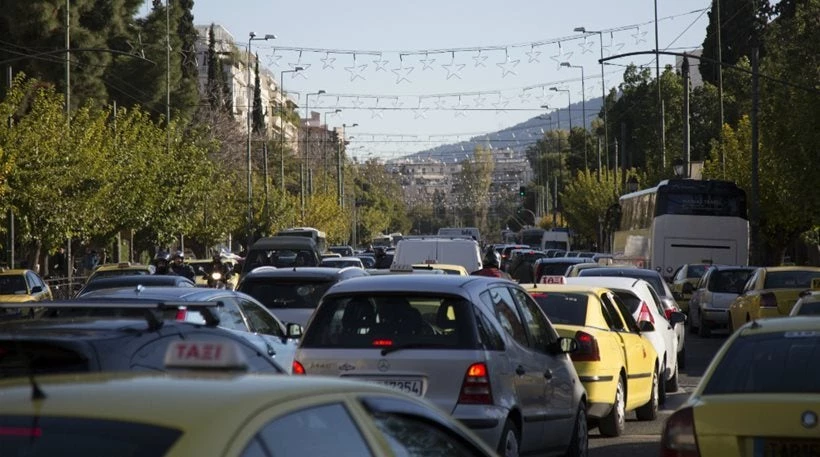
{"x": 642, "y": 439}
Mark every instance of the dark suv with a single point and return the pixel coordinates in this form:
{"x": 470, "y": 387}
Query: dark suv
{"x": 137, "y": 341}
{"x": 293, "y": 293}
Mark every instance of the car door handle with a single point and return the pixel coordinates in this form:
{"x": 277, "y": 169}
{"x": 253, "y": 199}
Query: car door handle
{"x": 519, "y": 370}
{"x": 548, "y": 374}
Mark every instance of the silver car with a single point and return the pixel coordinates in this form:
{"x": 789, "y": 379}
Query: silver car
{"x": 479, "y": 348}
{"x": 716, "y": 290}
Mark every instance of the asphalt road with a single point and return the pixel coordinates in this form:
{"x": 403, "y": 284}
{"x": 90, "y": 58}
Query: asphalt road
{"x": 642, "y": 439}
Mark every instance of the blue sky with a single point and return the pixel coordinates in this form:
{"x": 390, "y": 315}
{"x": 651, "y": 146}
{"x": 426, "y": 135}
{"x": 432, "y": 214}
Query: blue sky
{"x": 391, "y": 66}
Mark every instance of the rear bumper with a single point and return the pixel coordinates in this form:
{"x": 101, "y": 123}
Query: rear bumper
{"x": 713, "y": 317}
{"x": 486, "y": 421}
{"x": 600, "y": 393}
{"x": 598, "y": 410}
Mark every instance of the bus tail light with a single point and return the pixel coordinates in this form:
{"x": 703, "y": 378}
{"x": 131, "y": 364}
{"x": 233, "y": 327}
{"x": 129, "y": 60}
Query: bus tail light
{"x": 768, "y": 300}
{"x": 678, "y": 437}
{"x": 587, "y": 348}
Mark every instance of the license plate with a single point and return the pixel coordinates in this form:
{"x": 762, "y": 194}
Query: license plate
{"x": 413, "y": 387}
{"x": 786, "y": 448}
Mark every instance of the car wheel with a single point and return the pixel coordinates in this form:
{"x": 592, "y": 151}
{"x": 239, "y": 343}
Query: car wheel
{"x": 649, "y": 411}
{"x": 704, "y": 331}
{"x": 682, "y": 358}
{"x": 672, "y": 383}
{"x": 510, "y": 439}
{"x": 579, "y": 444}
{"x": 613, "y": 423}
{"x": 662, "y": 384}
{"x": 693, "y": 322}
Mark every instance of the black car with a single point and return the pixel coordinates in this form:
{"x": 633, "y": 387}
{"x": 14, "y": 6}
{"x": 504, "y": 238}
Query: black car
{"x": 115, "y": 282}
{"x": 137, "y": 342}
{"x": 555, "y": 266}
{"x": 293, "y": 293}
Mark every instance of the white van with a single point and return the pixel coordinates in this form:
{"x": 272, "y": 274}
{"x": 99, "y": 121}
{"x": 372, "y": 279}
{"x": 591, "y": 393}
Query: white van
{"x": 451, "y": 251}
{"x": 468, "y": 232}
{"x": 555, "y": 239}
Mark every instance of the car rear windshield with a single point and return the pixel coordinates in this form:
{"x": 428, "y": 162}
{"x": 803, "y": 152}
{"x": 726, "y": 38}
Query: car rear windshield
{"x": 554, "y": 269}
{"x": 397, "y": 320}
{"x": 790, "y": 279}
{"x": 279, "y": 258}
{"x": 631, "y": 301}
{"x": 729, "y": 281}
{"x": 563, "y": 308}
{"x": 35, "y": 436}
{"x": 782, "y": 362}
{"x": 695, "y": 271}
{"x": 809, "y": 308}
{"x": 12, "y": 284}
{"x": 286, "y": 293}
{"x": 653, "y": 278}
{"x": 20, "y": 358}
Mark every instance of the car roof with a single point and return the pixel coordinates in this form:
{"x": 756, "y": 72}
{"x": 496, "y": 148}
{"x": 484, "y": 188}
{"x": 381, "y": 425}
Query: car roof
{"x": 790, "y": 268}
{"x": 342, "y": 259}
{"x": 146, "y": 280}
{"x": 287, "y": 242}
{"x": 161, "y": 293}
{"x": 775, "y": 325}
{"x": 621, "y": 271}
{"x": 620, "y": 282}
{"x": 568, "y": 288}
{"x": 733, "y": 268}
{"x": 441, "y": 284}
{"x": 13, "y": 271}
{"x": 122, "y": 266}
{"x": 565, "y": 260}
{"x": 85, "y": 327}
{"x": 327, "y": 273}
{"x": 230, "y": 398}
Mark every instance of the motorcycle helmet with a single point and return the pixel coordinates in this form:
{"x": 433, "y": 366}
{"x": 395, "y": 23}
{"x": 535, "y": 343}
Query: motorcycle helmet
{"x": 491, "y": 260}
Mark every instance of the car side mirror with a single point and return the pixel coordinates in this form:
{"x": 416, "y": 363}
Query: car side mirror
{"x": 565, "y": 345}
{"x": 688, "y": 288}
{"x": 294, "y": 330}
{"x": 36, "y": 289}
{"x": 677, "y": 317}
{"x": 646, "y": 326}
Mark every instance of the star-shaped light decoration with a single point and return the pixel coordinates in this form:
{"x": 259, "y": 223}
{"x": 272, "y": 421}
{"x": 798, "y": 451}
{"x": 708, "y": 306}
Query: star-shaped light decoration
{"x": 460, "y": 107}
{"x": 507, "y": 66}
{"x": 274, "y": 58}
{"x": 301, "y": 73}
{"x": 479, "y": 101}
{"x": 381, "y": 64}
{"x": 402, "y": 72}
{"x": 639, "y": 36}
{"x": 397, "y": 103}
{"x": 525, "y": 96}
{"x": 479, "y": 60}
{"x": 440, "y": 104}
{"x": 357, "y": 103}
{"x": 356, "y": 70}
{"x": 586, "y": 46}
{"x": 561, "y": 56}
{"x": 533, "y": 55}
{"x": 327, "y": 62}
{"x": 427, "y": 63}
{"x": 500, "y": 104}
{"x": 377, "y": 113}
{"x": 453, "y": 68}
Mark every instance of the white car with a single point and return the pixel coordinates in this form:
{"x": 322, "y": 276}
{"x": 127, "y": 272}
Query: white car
{"x": 645, "y": 305}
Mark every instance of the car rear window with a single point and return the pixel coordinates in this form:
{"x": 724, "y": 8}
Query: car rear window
{"x": 782, "y": 362}
{"x": 554, "y": 269}
{"x": 373, "y": 320}
{"x": 631, "y": 301}
{"x": 789, "y": 279}
{"x": 563, "y": 308}
{"x": 695, "y": 271}
{"x": 653, "y": 278}
{"x": 12, "y": 284}
{"x": 21, "y": 358}
{"x": 288, "y": 293}
{"x": 35, "y": 436}
{"x": 809, "y": 308}
{"x": 729, "y": 281}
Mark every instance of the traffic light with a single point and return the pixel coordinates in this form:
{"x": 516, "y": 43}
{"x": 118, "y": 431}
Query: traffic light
{"x": 522, "y": 191}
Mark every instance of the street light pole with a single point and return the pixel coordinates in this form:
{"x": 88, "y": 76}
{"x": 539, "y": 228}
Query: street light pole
{"x": 282, "y": 108}
{"x": 251, "y": 37}
{"x": 583, "y": 109}
{"x": 306, "y": 155}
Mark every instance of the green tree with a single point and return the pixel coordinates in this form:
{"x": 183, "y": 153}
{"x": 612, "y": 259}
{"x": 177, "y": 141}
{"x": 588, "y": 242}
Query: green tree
{"x": 586, "y": 200}
{"x": 740, "y": 27}
{"x": 258, "y": 113}
{"x": 472, "y": 186}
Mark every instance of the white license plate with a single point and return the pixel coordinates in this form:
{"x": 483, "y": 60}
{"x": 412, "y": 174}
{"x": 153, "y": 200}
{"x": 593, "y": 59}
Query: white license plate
{"x": 413, "y": 387}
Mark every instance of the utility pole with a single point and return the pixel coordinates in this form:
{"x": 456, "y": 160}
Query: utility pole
{"x": 686, "y": 137}
{"x": 661, "y": 123}
{"x": 167, "y": 76}
{"x": 754, "y": 216}
{"x": 720, "y": 82}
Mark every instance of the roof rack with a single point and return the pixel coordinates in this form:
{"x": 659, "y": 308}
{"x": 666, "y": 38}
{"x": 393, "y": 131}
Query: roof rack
{"x": 152, "y": 308}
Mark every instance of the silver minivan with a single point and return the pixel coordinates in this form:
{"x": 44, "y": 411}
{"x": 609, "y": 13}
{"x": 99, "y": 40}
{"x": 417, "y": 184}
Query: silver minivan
{"x": 480, "y": 348}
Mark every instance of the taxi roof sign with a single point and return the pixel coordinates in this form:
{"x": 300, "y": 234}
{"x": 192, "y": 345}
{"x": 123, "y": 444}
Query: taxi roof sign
{"x": 209, "y": 355}
{"x": 397, "y": 267}
{"x": 553, "y": 279}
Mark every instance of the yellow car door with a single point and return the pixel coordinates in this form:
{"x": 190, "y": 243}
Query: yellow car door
{"x": 639, "y": 354}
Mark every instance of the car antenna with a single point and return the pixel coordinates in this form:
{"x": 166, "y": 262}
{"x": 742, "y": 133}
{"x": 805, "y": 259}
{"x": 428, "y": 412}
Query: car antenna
{"x": 755, "y": 324}
{"x": 36, "y": 392}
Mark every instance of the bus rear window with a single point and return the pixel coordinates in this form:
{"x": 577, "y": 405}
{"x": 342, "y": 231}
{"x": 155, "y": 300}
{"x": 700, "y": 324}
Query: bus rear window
{"x": 68, "y": 436}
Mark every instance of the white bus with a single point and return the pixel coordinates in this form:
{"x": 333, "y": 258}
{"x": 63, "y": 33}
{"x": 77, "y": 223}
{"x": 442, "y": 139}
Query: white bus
{"x": 316, "y": 235}
{"x": 683, "y": 221}
{"x": 467, "y": 232}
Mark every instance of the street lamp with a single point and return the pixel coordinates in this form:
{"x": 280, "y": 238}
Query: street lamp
{"x": 282, "y": 107}
{"x": 569, "y": 104}
{"x": 339, "y": 181}
{"x": 583, "y": 108}
{"x": 603, "y": 83}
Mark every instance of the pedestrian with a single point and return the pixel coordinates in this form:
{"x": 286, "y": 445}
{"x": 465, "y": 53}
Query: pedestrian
{"x": 59, "y": 263}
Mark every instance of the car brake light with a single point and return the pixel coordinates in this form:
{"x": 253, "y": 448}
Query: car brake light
{"x": 21, "y": 431}
{"x": 382, "y": 342}
{"x": 297, "y": 368}
{"x": 587, "y": 348}
{"x": 768, "y": 300}
{"x": 182, "y": 313}
{"x": 668, "y": 312}
{"x": 475, "y": 389}
{"x": 644, "y": 314}
{"x": 678, "y": 438}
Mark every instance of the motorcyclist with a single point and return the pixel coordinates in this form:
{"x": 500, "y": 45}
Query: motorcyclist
{"x": 182, "y": 269}
{"x": 217, "y": 266}
{"x": 162, "y": 264}
{"x": 490, "y": 265}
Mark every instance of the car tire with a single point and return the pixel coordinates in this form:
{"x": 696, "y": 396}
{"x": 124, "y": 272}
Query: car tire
{"x": 613, "y": 424}
{"x": 704, "y": 331}
{"x": 510, "y": 440}
{"x": 579, "y": 443}
{"x": 672, "y": 384}
{"x": 682, "y": 358}
{"x": 692, "y": 327}
{"x": 662, "y": 384}
{"x": 649, "y": 411}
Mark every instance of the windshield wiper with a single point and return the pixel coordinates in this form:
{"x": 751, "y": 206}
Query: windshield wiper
{"x": 399, "y": 347}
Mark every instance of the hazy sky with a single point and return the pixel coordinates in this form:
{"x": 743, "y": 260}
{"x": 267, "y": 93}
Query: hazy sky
{"x": 482, "y": 55}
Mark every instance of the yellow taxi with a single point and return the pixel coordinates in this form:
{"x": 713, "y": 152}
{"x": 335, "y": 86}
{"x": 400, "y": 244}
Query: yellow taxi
{"x": 201, "y": 412}
{"x": 770, "y": 292}
{"x": 108, "y": 270}
{"x": 758, "y": 397}
{"x": 685, "y": 280}
{"x": 457, "y": 270}
{"x": 21, "y": 285}
{"x": 617, "y": 366}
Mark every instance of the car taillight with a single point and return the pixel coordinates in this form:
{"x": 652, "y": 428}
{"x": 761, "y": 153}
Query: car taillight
{"x": 644, "y": 314}
{"x": 297, "y": 368}
{"x": 587, "y": 348}
{"x": 668, "y": 312}
{"x": 382, "y": 342}
{"x": 678, "y": 438}
{"x": 768, "y": 300}
{"x": 181, "y": 314}
{"x": 475, "y": 389}
{"x": 34, "y": 432}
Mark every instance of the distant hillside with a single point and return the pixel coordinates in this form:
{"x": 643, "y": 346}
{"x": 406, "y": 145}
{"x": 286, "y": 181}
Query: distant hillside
{"x": 517, "y": 138}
